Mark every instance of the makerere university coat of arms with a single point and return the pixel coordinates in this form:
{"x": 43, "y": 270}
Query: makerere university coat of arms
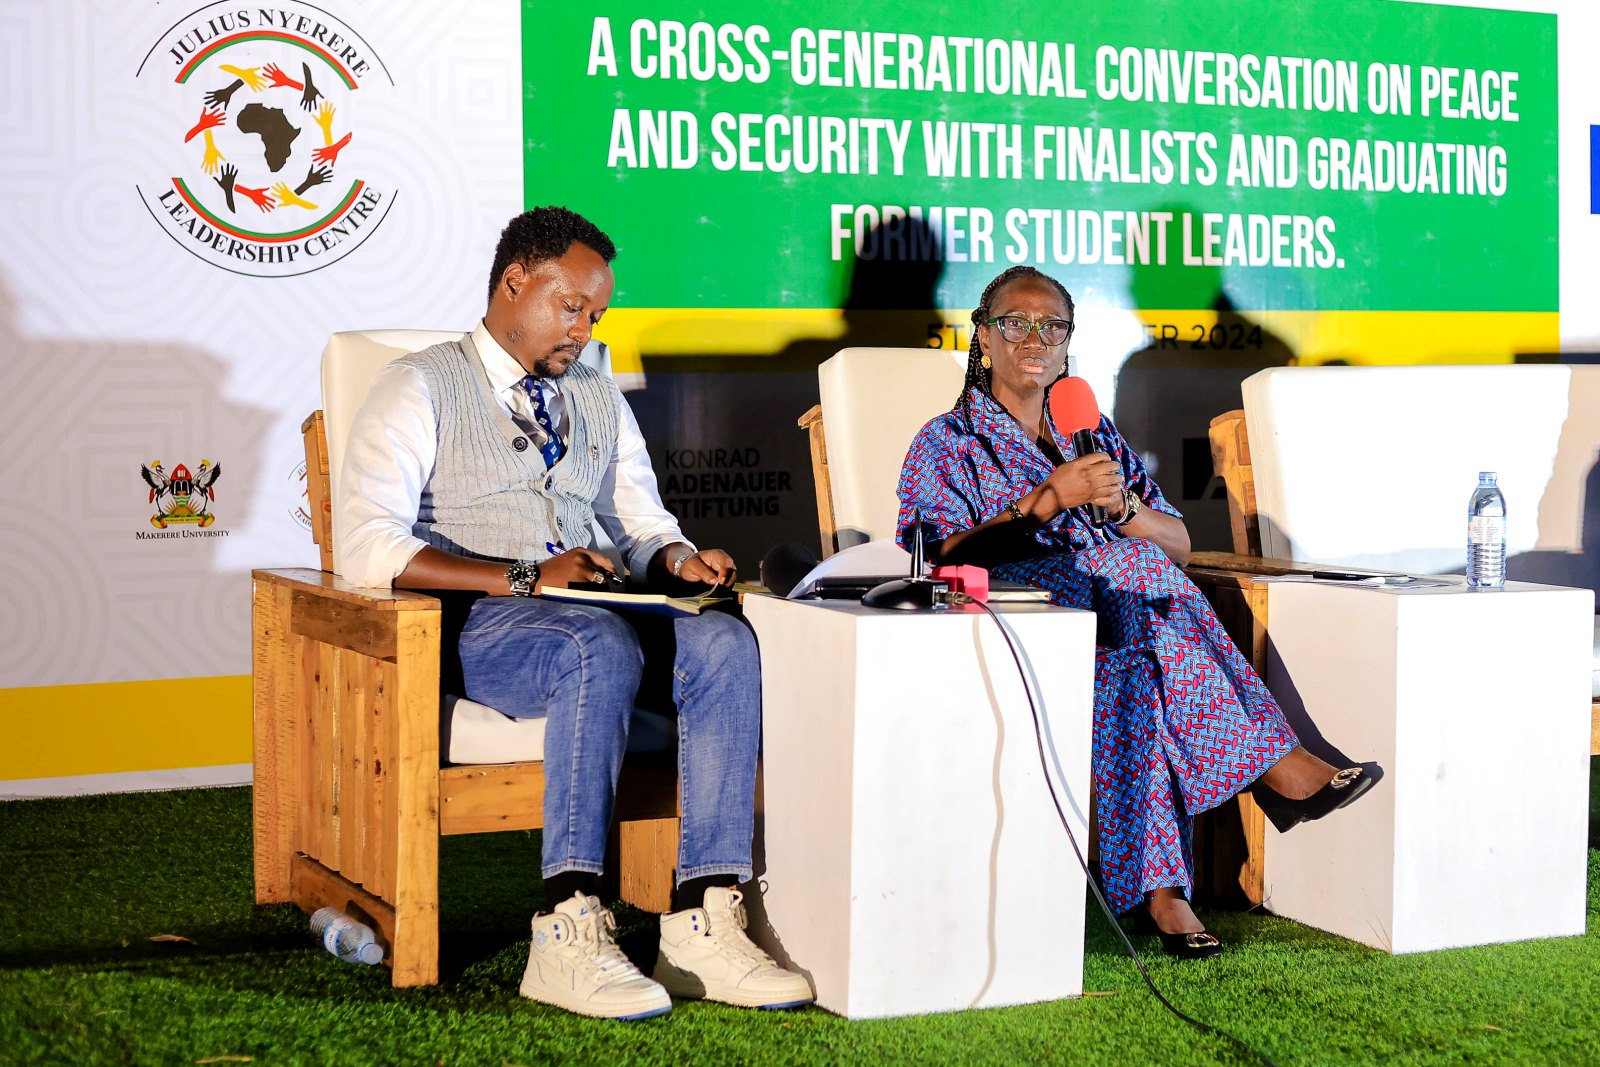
{"x": 182, "y": 497}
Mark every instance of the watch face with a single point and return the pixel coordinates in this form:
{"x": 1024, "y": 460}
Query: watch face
{"x": 523, "y": 577}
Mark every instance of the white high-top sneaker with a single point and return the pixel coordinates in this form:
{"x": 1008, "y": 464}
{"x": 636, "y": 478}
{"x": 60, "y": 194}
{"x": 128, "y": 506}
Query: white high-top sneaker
{"x": 705, "y": 953}
{"x": 575, "y": 964}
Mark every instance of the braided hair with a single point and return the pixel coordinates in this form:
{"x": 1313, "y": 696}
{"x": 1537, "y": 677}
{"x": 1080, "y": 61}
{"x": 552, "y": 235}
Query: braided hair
{"x": 978, "y": 375}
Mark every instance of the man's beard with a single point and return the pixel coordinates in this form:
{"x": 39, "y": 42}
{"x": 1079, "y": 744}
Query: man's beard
{"x": 551, "y": 367}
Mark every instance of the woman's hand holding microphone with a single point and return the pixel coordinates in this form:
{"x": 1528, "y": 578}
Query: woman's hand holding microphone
{"x": 1092, "y": 479}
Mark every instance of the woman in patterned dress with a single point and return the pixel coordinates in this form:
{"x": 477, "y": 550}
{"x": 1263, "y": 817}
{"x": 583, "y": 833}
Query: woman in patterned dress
{"x": 1181, "y": 721}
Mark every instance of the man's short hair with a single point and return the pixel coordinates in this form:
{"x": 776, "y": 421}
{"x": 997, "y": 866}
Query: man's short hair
{"x": 545, "y": 233}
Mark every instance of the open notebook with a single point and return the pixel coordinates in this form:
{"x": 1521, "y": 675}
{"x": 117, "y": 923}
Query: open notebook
{"x": 647, "y": 603}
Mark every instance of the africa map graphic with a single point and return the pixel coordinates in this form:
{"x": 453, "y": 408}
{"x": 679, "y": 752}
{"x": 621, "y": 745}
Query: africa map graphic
{"x": 273, "y": 135}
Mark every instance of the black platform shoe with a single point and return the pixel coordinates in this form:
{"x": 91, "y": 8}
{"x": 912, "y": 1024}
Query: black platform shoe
{"x": 1202, "y": 945}
{"x": 1345, "y": 787}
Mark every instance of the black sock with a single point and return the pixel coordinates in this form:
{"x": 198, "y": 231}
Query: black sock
{"x": 567, "y": 884}
{"x": 692, "y": 894}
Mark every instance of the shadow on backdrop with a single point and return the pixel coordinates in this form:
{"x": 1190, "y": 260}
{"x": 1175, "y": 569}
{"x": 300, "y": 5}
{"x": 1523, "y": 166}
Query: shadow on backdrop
{"x": 1577, "y": 459}
{"x": 1169, "y": 391}
{"x": 731, "y": 459}
{"x": 126, "y": 576}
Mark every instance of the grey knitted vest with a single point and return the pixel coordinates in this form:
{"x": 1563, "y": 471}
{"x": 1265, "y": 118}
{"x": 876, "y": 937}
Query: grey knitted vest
{"x": 490, "y": 495}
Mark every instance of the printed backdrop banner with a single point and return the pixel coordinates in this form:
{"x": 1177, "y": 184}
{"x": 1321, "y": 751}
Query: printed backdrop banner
{"x": 195, "y": 197}
{"x": 1345, "y": 180}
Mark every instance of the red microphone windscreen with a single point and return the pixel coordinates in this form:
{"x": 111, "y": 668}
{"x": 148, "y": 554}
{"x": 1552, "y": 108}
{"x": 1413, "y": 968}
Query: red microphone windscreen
{"x": 1073, "y": 407}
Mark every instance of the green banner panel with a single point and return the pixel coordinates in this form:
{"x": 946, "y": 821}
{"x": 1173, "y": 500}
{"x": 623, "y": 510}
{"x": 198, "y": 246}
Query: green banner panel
{"x": 1324, "y": 154}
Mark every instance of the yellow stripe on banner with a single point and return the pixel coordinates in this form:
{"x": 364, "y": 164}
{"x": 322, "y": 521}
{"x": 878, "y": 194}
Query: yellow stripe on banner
{"x": 631, "y": 332}
{"x": 1358, "y": 337}
{"x": 1383, "y": 338}
{"x": 111, "y": 727}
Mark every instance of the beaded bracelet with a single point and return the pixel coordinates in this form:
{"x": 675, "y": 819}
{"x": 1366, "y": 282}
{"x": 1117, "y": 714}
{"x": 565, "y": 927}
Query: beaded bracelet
{"x": 1015, "y": 511}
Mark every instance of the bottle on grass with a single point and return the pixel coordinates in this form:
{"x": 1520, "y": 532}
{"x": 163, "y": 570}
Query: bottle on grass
{"x": 341, "y": 935}
{"x": 1486, "y": 535}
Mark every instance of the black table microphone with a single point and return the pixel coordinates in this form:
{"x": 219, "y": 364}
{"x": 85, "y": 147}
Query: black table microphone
{"x": 916, "y": 592}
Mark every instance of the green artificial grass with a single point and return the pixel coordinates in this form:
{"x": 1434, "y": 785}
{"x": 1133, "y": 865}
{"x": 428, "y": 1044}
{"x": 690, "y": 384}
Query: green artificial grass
{"x": 85, "y": 884}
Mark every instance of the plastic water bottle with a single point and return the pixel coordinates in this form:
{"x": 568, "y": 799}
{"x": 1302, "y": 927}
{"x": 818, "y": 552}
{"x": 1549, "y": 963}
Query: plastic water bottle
{"x": 341, "y": 935}
{"x": 1486, "y": 535}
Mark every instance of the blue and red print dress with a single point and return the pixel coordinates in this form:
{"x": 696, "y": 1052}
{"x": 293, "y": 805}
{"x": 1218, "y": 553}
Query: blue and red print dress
{"x": 1181, "y": 720}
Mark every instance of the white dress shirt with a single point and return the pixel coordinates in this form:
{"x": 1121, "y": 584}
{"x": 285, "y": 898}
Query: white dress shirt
{"x": 390, "y": 455}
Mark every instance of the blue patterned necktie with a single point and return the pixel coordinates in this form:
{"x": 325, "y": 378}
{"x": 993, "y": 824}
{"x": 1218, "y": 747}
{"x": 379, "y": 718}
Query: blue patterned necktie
{"x": 552, "y": 449}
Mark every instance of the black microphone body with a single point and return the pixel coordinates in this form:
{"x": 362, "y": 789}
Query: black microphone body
{"x": 1083, "y": 444}
{"x": 913, "y": 593}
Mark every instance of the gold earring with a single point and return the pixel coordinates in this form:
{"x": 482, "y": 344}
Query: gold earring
{"x": 984, "y": 361}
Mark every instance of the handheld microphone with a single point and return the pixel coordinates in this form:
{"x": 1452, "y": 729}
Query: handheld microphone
{"x": 1074, "y": 411}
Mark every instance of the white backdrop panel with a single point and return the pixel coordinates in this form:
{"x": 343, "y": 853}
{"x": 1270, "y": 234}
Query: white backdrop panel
{"x": 122, "y": 346}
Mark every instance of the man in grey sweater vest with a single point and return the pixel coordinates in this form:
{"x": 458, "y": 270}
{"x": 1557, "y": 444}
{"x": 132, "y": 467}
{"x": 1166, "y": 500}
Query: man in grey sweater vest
{"x": 483, "y": 465}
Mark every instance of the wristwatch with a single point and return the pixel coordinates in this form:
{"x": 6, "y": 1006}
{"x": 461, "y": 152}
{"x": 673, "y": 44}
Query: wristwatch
{"x": 523, "y": 576}
{"x": 1131, "y": 506}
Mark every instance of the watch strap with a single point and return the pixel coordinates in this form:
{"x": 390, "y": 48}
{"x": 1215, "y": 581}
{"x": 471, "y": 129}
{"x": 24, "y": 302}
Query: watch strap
{"x": 1131, "y": 506}
{"x": 524, "y": 577}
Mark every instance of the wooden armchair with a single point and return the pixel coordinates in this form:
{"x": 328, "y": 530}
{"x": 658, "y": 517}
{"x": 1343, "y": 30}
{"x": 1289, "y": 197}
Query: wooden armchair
{"x": 350, "y": 797}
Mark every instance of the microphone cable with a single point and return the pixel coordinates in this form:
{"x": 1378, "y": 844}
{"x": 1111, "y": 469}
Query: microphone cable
{"x": 1105, "y": 907}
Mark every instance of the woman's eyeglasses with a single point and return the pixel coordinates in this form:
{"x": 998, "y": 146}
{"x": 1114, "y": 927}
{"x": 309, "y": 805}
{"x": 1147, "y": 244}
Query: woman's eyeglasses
{"x": 1015, "y": 328}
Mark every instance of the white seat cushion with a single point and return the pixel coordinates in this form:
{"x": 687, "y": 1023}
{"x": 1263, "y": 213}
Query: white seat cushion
{"x": 867, "y": 437}
{"x": 1597, "y": 658}
{"x": 476, "y": 733}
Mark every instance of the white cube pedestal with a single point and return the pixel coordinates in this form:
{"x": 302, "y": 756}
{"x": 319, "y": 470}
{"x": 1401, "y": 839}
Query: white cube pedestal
{"x": 1477, "y": 706}
{"x": 913, "y": 859}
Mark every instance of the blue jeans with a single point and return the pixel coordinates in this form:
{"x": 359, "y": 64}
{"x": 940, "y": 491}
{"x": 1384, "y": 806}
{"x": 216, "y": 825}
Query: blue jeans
{"x": 581, "y": 668}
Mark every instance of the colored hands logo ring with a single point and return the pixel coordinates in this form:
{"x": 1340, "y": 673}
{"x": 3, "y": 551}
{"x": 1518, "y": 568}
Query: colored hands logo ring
{"x": 267, "y": 173}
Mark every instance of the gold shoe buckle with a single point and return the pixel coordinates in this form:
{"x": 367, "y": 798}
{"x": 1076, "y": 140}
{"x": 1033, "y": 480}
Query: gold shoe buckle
{"x": 1345, "y": 777}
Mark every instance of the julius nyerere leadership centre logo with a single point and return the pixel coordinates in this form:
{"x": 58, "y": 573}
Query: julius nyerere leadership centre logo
{"x": 263, "y": 168}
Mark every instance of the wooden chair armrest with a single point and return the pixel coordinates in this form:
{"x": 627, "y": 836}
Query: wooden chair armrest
{"x": 1230, "y": 458}
{"x": 369, "y": 622}
{"x": 827, "y": 526}
{"x": 322, "y": 585}
{"x": 319, "y": 486}
{"x": 1235, "y": 569}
